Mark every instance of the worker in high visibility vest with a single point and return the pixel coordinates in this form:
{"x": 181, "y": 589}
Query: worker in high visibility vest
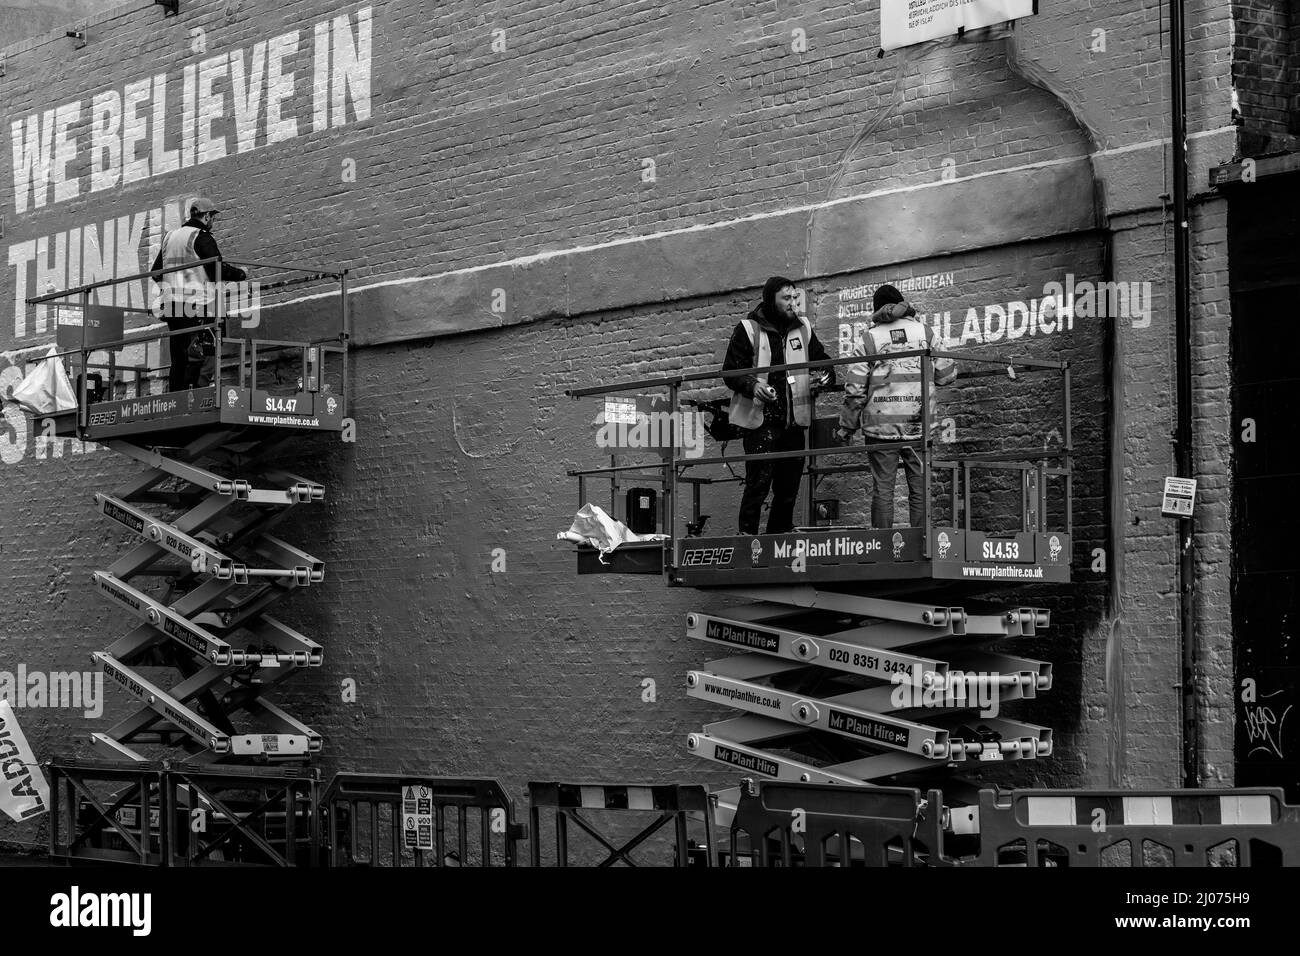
{"x": 188, "y": 297}
{"x": 774, "y": 409}
{"x": 883, "y": 398}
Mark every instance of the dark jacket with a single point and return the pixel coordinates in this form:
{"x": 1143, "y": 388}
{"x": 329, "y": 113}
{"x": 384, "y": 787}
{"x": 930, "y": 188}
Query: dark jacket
{"x": 740, "y": 354}
{"x": 205, "y": 247}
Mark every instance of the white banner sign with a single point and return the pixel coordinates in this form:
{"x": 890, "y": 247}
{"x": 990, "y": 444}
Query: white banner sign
{"x": 23, "y": 790}
{"x": 904, "y": 22}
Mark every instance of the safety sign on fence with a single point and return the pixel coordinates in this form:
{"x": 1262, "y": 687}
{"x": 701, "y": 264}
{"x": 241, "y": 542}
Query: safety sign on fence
{"x": 905, "y": 22}
{"x": 417, "y": 817}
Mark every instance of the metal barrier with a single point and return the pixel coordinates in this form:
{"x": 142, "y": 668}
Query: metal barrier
{"x": 1159, "y": 828}
{"x": 365, "y": 822}
{"x": 669, "y": 802}
{"x": 243, "y": 816}
{"x": 108, "y": 812}
{"x": 817, "y": 825}
{"x": 158, "y": 814}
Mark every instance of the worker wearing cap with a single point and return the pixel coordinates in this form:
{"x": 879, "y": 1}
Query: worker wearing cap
{"x": 883, "y": 398}
{"x": 189, "y": 296}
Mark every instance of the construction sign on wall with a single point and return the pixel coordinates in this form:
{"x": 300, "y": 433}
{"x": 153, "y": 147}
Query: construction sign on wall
{"x": 905, "y": 22}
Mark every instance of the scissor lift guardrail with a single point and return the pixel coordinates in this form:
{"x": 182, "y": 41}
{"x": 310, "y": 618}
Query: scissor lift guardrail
{"x": 952, "y": 550}
{"x": 125, "y": 402}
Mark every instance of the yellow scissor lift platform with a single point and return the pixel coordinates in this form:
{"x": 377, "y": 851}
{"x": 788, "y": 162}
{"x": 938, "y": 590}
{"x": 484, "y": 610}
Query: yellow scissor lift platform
{"x": 860, "y": 655}
{"x": 206, "y": 568}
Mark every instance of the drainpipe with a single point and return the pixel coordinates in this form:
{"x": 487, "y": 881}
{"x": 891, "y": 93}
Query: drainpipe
{"x": 1183, "y": 374}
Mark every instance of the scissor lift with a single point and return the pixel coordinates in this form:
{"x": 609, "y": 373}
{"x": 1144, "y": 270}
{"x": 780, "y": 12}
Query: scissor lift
{"x": 204, "y": 512}
{"x": 859, "y": 656}
{"x": 918, "y": 705}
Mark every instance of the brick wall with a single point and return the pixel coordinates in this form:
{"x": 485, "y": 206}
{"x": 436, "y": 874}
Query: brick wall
{"x": 20, "y": 19}
{"x": 472, "y": 158}
{"x": 1264, "y": 72}
{"x": 1150, "y": 609}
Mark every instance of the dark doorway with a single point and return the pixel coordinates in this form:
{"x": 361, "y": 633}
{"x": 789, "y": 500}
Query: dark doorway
{"x": 1264, "y": 235}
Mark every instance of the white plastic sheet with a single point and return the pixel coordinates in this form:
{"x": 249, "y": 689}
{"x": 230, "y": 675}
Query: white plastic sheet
{"x": 591, "y": 525}
{"x": 46, "y": 390}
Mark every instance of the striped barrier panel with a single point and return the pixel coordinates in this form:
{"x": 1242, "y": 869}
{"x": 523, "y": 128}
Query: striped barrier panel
{"x": 670, "y": 803}
{"x": 1238, "y": 828}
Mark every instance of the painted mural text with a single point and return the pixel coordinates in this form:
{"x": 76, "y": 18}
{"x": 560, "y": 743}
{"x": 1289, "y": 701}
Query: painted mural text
{"x": 222, "y": 106}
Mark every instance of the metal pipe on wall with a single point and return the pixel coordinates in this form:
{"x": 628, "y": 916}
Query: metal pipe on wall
{"x": 1183, "y": 381}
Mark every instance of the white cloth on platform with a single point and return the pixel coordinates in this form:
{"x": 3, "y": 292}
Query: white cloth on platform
{"x": 592, "y": 526}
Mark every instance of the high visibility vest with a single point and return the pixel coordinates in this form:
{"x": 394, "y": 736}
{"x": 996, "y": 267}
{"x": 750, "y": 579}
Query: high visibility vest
{"x": 747, "y": 412}
{"x": 188, "y": 286}
{"x": 893, "y": 387}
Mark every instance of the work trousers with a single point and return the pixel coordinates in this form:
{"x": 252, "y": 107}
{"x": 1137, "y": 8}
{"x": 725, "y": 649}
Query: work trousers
{"x": 184, "y": 373}
{"x": 884, "y": 472}
{"x": 780, "y": 477}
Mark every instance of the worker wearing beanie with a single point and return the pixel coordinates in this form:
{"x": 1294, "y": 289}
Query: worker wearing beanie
{"x": 883, "y": 398}
{"x": 773, "y": 408}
